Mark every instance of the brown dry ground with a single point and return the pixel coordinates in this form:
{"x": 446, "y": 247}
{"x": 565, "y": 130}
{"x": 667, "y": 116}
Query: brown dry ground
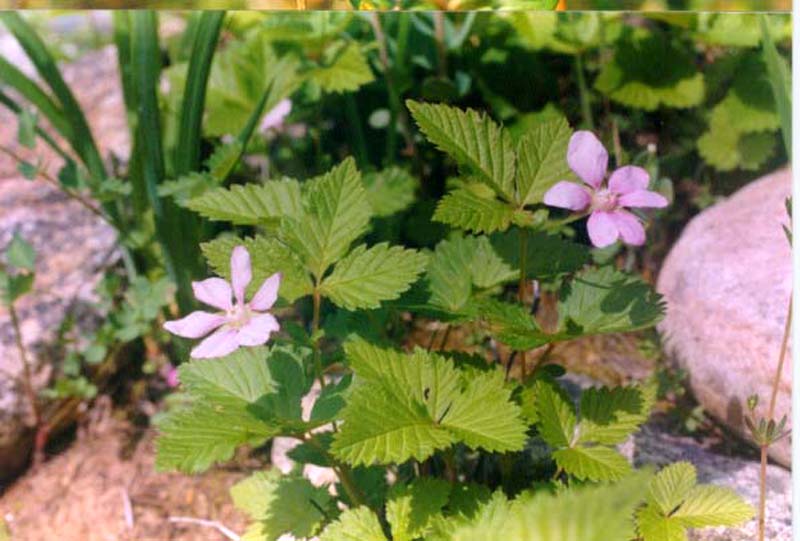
{"x": 82, "y": 494}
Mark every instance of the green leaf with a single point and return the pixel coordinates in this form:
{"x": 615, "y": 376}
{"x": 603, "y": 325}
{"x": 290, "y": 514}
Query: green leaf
{"x": 390, "y": 191}
{"x": 556, "y": 414}
{"x": 224, "y": 159}
{"x": 280, "y": 504}
{"x": 185, "y": 188}
{"x": 411, "y": 507}
{"x": 781, "y": 81}
{"x": 513, "y": 325}
{"x": 654, "y": 526}
{"x": 473, "y": 140}
{"x": 593, "y": 463}
{"x": 26, "y": 129}
{"x": 408, "y": 406}
{"x": 20, "y": 254}
{"x": 14, "y": 286}
{"x": 542, "y": 159}
{"x": 337, "y": 213}
{"x": 651, "y": 72}
{"x": 672, "y": 485}
{"x": 368, "y": 276}
{"x": 251, "y": 204}
{"x": 466, "y": 209}
{"x": 708, "y": 505}
{"x": 610, "y": 415}
{"x": 546, "y": 256}
{"x": 268, "y": 256}
{"x": 346, "y": 73}
{"x": 604, "y": 300}
{"x": 243, "y": 399}
{"x": 27, "y": 170}
{"x": 359, "y": 524}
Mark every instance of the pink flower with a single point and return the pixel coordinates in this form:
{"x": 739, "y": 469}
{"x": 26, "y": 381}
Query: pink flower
{"x": 170, "y": 375}
{"x": 627, "y": 188}
{"x": 238, "y": 323}
{"x": 274, "y": 119}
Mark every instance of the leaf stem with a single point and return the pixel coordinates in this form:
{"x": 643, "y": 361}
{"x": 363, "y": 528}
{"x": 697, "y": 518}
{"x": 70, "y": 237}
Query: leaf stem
{"x": 317, "y": 300}
{"x": 523, "y": 271}
{"x": 343, "y": 472}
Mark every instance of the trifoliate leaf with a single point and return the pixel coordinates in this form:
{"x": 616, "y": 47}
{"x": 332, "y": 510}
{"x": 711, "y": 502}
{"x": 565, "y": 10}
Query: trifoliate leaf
{"x": 465, "y": 209}
{"x": 251, "y": 204}
{"x": 268, "y": 256}
{"x": 347, "y": 72}
{"x": 390, "y": 191}
{"x": 542, "y": 159}
{"x": 596, "y": 463}
{"x": 651, "y": 72}
{"x": 408, "y": 406}
{"x": 368, "y": 276}
{"x": 337, "y": 213}
{"x": 610, "y": 415}
{"x": 556, "y": 414}
{"x": 280, "y": 504}
{"x": 243, "y": 399}
{"x": 604, "y": 300}
{"x": 473, "y": 140}
{"x": 411, "y": 507}
{"x": 359, "y": 524}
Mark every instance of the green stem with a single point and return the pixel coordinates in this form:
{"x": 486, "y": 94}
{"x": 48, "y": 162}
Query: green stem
{"x": 354, "y": 123}
{"x": 523, "y": 271}
{"x": 343, "y": 472}
{"x": 583, "y": 89}
{"x": 317, "y": 300}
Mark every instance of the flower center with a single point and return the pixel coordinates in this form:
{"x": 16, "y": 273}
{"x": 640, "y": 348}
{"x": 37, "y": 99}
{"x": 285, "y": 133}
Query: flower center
{"x": 239, "y": 316}
{"x": 604, "y": 200}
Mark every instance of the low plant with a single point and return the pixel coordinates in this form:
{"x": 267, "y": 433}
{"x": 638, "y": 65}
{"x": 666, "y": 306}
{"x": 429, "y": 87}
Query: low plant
{"x": 428, "y": 443}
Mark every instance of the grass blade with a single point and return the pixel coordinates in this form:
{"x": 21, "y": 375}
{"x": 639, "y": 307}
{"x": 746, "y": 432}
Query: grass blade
{"x": 781, "y": 81}
{"x": 187, "y": 151}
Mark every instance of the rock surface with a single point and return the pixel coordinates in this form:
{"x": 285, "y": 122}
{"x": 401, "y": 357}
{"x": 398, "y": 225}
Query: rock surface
{"x": 73, "y": 247}
{"x": 655, "y": 447}
{"x": 727, "y": 283}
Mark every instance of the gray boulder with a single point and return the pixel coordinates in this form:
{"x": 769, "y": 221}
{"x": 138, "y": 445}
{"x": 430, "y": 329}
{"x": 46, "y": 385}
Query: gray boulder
{"x": 727, "y": 283}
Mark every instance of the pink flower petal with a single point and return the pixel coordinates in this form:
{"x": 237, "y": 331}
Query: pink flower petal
{"x": 214, "y": 292}
{"x": 587, "y": 157}
{"x": 219, "y": 344}
{"x": 629, "y": 227}
{"x": 628, "y": 179}
{"x": 257, "y": 331}
{"x": 567, "y": 195}
{"x": 240, "y": 272}
{"x": 602, "y": 229}
{"x": 195, "y": 325}
{"x": 644, "y": 199}
{"x": 267, "y": 294}
{"x": 274, "y": 119}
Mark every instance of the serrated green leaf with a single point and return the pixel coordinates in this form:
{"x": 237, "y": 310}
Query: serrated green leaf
{"x": 650, "y": 72}
{"x": 739, "y": 29}
{"x": 653, "y": 526}
{"x": 251, "y": 204}
{"x": 513, "y": 325}
{"x": 556, "y": 414}
{"x": 708, "y": 505}
{"x": 542, "y": 159}
{"x": 224, "y": 158}
{"x": 243, "y": 399}
{"x": 408, "y": 406}
{"x": 465, "y": 209}
{"x": 672, "y": 485}
{"x": 280, "y": 504}
{"x": 411, "y": 507}
{"x": 268, "y": 256}
{"x": 390, "y": 191}
{"x": 546, "y": 256}
{"x": 187, "y": 187}
{"x": 603, "y": 300}
{"x": 473, "y": 140}
{"x": 346, "y": 73}
{"x": 337, "y": 213}
{"x": 593, "y": 463}
{"x": 359, "y": 524}
{"x": 368, "y": 276}
{"x": 610, "y": 415}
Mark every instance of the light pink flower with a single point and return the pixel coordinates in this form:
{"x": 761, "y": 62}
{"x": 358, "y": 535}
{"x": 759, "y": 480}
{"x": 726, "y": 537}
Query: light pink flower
{"x": 627, "y": 188}
{"x": 239, "y": 323}
{"x": 274, "y": 119}
{"x": 170, "y": 375}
